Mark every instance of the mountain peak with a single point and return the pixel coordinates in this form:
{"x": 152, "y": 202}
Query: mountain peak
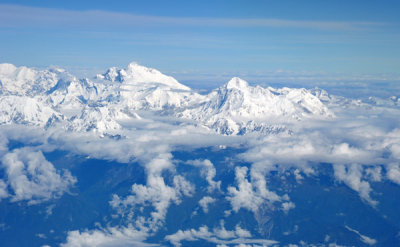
{"x": 112, "y": 74}
{"x": 7, "y": 68}
{"x": 140, "y": 70}
{"x": 136, "y": 74}
{"x": 237, "y": 83}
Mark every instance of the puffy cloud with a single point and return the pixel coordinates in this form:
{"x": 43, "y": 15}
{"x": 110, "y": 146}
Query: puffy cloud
{"x": 3, "y": 189}
{"x": 205, "y": 201}
{"x": 250, "y": 195}
{"x": 156, "y": 193}
{"x": 395, "y": 150}
{"x": 243, "y": 196}
{"x": 374, "y": 173}
{"x": 110, "y": 237}
{"x": 286, "y": 206}
{"x": 393, "y": 173}
{"x": 31, "y": 177}
{"x": 183, "y": 186}
{"x": 352, "y": 175}
{"x": 356, "y": 148}
{"x": 218, "y": 235}
{"x": 208, "y": 171}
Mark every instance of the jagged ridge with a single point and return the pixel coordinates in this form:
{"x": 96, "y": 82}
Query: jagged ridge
{"x": 48, "y": 97}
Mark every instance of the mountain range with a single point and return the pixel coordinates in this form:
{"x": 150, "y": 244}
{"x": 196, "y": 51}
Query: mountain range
{"x": 53, "y": 97}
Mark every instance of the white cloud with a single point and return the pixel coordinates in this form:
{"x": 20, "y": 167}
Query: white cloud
{"x": 31, "y": 177}
{"x": 156, "y": 193}
{"x": 3, "y": 144}
{"x": 352, "y": 175}
{"x": 218, "y": 235}
{"x": 286, "y": 206}
{"x": 250, "y": 195}
{"x": 395, "y": 149}
{"x": 393, "y": 173}
{"x": 183, "y": 186}
{"x": 205, "y": 201}
{"x": 208, "y": 171}
{"x": 374, "y": 173}
{"x": 3, "y": 189}
{"x": 243, "y": 196}
{"x": 355, "y": 146}
{"x": 110, "y": 237}
{"x": 297, "y": 175}
{"x": 363, "y": 238}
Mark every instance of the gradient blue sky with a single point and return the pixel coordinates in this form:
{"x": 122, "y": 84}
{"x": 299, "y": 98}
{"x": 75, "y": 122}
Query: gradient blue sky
{"x": 203, "y": 39}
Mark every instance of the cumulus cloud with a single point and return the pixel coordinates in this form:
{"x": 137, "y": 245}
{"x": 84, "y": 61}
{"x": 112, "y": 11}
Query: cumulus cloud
{"x": 352, "y": 175}
{"x": 218, "y": 235}
{"x": 110, "y": 237}
{"x": 250, "y": 194}
{"x": 32, "y": 178}
{"x": 205, "y": 201}
{"x": 286, "y": 206}
{"x": 208, "y": 171}
{"x": 374, "y": 173}
{"x": 393, "y": 173}
{"x": 156, "y": 193}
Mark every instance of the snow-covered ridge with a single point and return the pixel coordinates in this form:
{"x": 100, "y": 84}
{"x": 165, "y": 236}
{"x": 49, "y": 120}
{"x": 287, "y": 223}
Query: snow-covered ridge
{"x": 53, "y": 96}
{"x": 237, "y": 108}
{"x": 136, "y": 74}
{"x": 26, "y": 81}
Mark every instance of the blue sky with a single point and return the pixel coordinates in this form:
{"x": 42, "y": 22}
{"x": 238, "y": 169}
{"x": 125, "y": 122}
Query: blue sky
{"x": 199, "y": 40}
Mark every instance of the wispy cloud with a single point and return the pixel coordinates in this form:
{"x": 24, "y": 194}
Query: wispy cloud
{"x": 22, "y": 16}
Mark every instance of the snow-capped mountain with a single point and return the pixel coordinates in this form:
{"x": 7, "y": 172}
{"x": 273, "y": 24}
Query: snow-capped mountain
{"x": 136, "y": 74}
{"x": 140, "y": 87}
{"x": 238, "y": 108}
{"x": 39, "y": 97}
{"x": 27, "y": 110}
{"x": 25, "y": 81}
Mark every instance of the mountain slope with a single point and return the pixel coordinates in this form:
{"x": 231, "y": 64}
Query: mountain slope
{"x": 25, "y": 81}
{"x": 237, "y": 108}
{"x": 138, "y": 75}
{"x": 26, "y": 110}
